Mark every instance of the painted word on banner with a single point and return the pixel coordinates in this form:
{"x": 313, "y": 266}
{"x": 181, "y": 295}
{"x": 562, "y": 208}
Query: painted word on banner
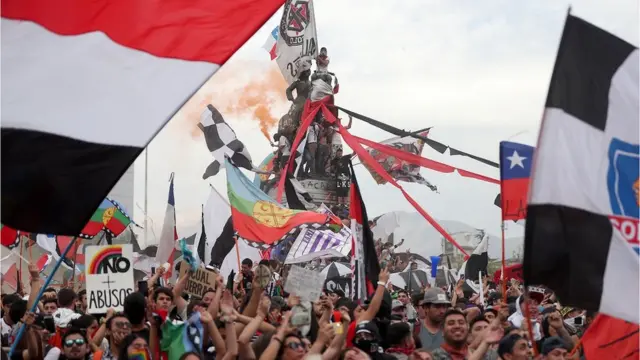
{"x": 109, "y": 275}
{"x": 200, "y": 281}
{"x": 306, "y": 284}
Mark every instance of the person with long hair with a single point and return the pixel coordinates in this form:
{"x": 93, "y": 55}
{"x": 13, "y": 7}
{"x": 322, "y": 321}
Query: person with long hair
{"x": 134, "y": 347}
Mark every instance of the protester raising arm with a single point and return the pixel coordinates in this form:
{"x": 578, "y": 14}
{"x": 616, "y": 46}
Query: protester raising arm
{"x": 252, "y": 307}
{"x": 211, "y": 329}
{"x": 325, "y": 335}
{"x": 491, "y": 336}
{"x": 154, "y": 339}
{"x": 245, "y": 350}
{"x": 98, "y": 337}
{"x": 178, "y": 300}
{"x": 277, "y": 340}
{"x": 376, "y": 301}
{"x": 214, "y": 307}
{"x": 228, "y": 318}
{"x": 152, "y": 280}
{"x": 333, "y": 351}
{"x": 36, "y": 284}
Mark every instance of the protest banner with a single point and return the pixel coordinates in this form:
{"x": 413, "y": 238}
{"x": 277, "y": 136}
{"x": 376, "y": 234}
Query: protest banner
{"x": 306, "y": 284}
{"x": 200, "y": 281}
{"x": 109, "y": 276}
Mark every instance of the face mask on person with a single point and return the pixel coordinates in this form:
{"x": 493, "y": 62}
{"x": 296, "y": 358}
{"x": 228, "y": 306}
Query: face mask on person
{"x": 368, "y": 346}
{"x": 577, "y": 321}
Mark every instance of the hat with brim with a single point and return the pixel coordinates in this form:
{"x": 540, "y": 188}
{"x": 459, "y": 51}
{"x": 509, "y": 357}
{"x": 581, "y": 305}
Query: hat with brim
{"x": 435, "y": 296}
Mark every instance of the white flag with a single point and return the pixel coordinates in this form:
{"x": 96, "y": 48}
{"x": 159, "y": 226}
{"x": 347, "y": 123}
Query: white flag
{"x": 297, "y": 39}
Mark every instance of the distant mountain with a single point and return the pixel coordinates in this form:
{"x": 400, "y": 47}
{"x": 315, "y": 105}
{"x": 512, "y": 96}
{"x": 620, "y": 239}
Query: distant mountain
{"x": 423, "y": 239}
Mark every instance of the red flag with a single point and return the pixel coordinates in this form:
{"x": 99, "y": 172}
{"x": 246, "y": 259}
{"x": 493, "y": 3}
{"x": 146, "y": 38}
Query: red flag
{"x": 611, "y": 338}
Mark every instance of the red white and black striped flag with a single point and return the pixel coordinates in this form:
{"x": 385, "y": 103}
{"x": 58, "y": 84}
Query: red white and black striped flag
{"x": 87, "y": 84}
{"x": 367, "y": 267}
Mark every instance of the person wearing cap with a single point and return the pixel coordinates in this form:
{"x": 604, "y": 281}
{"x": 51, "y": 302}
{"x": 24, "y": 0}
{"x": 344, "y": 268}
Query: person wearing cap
{"x": 400, "y": 309}
{"x": 554, "y": 348}
{"x": 367, "y": 339}
{"x": 434, "y": 303}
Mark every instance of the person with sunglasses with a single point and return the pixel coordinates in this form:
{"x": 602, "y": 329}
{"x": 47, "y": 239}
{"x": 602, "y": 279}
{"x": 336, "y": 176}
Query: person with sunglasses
{"x": 75, "y": 345}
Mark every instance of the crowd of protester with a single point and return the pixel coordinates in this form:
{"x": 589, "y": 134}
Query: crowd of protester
{"x": 247, "y": 320}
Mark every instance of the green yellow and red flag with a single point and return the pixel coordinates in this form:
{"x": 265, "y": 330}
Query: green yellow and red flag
{"x": 258, "y": 218}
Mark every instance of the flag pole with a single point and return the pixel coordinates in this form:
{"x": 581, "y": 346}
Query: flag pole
{"x": 504, "y": 267}
{"x": 42, "y": 289}
{"x": 146, "y": 183}
{"x": 235, "y": 237}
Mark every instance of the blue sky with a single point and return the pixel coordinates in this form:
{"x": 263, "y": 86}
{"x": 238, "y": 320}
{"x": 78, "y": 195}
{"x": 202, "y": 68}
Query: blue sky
{"x": 477, "y": 71}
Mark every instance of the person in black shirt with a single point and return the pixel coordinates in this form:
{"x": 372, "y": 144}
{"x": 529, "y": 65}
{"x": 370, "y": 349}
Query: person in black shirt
{"x": 247, "y": 274}
{"x": 340, "y": 164}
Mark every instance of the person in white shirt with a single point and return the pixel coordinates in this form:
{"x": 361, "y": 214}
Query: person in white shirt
{"x": 336, "y": 138}
{"x": 284, "y": 147}
{"x": 311, "y": 149}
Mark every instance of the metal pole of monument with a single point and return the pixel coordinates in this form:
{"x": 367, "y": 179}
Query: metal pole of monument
{"x": 42, "y": 289}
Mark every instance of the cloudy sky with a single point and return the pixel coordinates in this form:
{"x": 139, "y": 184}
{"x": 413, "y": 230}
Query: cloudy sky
{"x": 478, "y": 71}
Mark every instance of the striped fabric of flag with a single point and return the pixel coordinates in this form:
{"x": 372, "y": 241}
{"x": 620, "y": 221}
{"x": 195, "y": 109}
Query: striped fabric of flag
{"x": 270, "y": 44}
{"x": 311, "y": 244}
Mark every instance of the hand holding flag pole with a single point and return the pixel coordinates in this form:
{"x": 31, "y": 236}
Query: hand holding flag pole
{"x": 42, "y": 290}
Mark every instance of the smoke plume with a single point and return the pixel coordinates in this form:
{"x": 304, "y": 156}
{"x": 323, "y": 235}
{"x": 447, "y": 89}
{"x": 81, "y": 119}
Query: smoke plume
{"x": 240, "y": 90}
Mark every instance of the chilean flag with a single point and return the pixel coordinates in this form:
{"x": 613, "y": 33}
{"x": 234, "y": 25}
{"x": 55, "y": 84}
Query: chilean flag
{"x": 86, "y": 85}
{"x": 515, "y": 170}
{"x": 169, "y": 234}
{"x": 270, "y": 44}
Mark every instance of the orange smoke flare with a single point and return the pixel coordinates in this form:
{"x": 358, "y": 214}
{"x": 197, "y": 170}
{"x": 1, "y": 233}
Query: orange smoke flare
{"x": 257, "y": 97}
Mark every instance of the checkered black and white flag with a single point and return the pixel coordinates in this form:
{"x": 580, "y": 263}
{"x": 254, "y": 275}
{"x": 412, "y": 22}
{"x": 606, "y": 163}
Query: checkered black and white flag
{"x": 582, "y": 218}
{"x": 222, "y": 141}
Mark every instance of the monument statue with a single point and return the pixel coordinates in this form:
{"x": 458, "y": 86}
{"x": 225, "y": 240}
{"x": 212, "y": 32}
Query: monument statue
{"x": 302, "y": 86}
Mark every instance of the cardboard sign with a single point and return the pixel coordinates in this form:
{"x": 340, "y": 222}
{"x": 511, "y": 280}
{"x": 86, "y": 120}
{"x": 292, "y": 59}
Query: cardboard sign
{"x": 200, "y": 281}
{"x": 109, "y": 276}
{"x": 306, "y": 284}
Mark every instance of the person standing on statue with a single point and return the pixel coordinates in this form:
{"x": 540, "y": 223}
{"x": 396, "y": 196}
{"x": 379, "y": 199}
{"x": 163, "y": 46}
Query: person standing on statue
{"x": 323, "y": 149}
{"x": 302, "y": 86}
{"x": 343, "y": 176}
{"x": 311, "y": 149}
{"x": 284, "y": 150}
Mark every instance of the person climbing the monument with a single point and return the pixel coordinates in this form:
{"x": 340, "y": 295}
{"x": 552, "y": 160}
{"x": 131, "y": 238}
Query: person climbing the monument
{"x": 302, "y": 86}
{"x": 343, "y": 177}
{"x": 310, "y": 150}
{"x": 284, "y": 150}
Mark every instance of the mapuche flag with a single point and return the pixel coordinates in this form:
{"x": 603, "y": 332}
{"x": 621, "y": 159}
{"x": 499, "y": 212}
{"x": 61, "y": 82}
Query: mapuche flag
{"x": 110, "y": 217}
{"x": 86, "y": 86}
{"x": 259, "y": 219}
{"x": 582, "y": 216}
{"x": 515, "y": 170}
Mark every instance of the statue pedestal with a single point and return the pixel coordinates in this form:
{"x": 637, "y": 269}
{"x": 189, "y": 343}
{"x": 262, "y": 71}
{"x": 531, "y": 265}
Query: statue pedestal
{"x": 322, "y": 190}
